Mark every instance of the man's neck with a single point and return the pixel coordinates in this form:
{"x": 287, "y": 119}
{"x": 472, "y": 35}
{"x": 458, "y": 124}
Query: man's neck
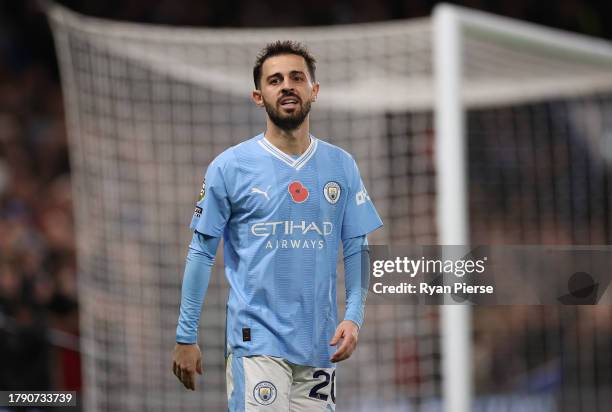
{"x": 292, "y": 142}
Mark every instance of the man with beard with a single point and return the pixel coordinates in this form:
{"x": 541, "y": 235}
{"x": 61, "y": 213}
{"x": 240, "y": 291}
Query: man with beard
{"x": 283, "y": 201}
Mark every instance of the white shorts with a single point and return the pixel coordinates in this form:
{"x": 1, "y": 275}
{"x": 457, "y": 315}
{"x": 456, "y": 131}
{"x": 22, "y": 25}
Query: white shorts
{"x": 271, "y": 384}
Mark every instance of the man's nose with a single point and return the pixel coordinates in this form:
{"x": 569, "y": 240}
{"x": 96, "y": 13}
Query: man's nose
{"x": 287, "y": 85}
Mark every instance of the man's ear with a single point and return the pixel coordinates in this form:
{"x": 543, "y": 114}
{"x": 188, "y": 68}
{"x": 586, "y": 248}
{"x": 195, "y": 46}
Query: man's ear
{"x": 257, "y": 98}
{"x": 315, "y": 91}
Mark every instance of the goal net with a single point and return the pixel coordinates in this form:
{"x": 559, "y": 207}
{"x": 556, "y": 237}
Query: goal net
{"x": 148, "y": 108}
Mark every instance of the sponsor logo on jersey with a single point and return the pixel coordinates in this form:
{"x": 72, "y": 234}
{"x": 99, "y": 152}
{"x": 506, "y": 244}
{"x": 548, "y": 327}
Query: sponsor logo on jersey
{"x": 332, "y": 192}
{"x": 362, "y": 196}
{"x": 198, "y": 211}
{"x": 264, "y": 393}
{"x": 258, "y": 191}
{"x": 299, "y": 193}
{"x": 202, "y": 191}
{"x": 289, "y": 227}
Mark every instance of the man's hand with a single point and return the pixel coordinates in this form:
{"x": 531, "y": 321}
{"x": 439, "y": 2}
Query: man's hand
{"x": 187, "y": 361}
{"x": 347, "y": 330}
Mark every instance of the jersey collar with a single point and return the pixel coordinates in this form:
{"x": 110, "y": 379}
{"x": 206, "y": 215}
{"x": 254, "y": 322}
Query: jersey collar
{"x": 298, "y": 163}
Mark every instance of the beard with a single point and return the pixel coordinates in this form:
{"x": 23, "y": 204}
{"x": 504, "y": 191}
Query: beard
{"x": 288, "y": 121}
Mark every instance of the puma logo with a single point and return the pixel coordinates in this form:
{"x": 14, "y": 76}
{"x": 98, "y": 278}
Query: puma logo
{"x": 261, "y": 192}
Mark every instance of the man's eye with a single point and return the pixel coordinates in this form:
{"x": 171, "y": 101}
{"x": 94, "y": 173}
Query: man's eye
{"x": 274, "y": 81}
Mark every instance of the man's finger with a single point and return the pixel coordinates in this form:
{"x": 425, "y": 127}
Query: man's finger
{"x": 345, "y": 350}
{"x": 351, "y": 349}
{"x": 337, "y": 336}
{"x": 341, "y": 350}
{"x": 192, "y": 380}
{"x": 199, "y": 366}
{"x": 188, "y": 379}
{"x": 344, "y": 355}
{"x": 338, "y": 356}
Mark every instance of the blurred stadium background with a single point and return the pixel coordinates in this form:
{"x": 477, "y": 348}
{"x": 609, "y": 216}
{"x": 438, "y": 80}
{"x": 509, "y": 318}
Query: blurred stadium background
{"x": 539, "y": 173}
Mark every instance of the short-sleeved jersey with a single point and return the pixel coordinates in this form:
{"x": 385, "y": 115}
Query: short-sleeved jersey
{"x": 282, "y": 220}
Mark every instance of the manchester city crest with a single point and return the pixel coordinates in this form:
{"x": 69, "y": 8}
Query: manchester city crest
{"x": 264, "y": 392}
{"x": 332, "y": 192}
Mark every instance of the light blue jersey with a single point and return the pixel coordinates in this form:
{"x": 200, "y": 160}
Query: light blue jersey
{"x": 282, "y": 220}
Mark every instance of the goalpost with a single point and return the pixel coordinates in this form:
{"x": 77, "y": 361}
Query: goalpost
{"x": 451, "y": 205}
{"x": 457, "y": 123}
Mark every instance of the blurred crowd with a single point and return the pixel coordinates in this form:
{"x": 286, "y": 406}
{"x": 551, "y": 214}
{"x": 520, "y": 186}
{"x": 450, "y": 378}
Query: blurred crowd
{"x": 38, "y": 303}
{"x": 38, "y": 293}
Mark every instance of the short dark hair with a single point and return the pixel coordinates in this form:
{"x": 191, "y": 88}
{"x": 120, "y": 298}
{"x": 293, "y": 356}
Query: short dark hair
{"x": 279, "y": 48}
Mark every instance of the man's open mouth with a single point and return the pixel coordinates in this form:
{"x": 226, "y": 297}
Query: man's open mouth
{"x": 289, "y": 102}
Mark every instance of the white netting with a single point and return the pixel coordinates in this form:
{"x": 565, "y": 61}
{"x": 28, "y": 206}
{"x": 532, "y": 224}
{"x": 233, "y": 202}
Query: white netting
{"x": 149, "y": 107}
{"x": 540, "y": 173}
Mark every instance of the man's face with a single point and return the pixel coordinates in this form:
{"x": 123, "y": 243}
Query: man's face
{"x": 286, "y": 90}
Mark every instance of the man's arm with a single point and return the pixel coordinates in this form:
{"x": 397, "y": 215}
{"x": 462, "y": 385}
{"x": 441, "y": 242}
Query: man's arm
{"x": 200, "y": 260}
{"x": 356, "y": 281}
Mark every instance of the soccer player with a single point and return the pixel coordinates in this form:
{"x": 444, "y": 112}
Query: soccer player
{"x": 282, "y": 201}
